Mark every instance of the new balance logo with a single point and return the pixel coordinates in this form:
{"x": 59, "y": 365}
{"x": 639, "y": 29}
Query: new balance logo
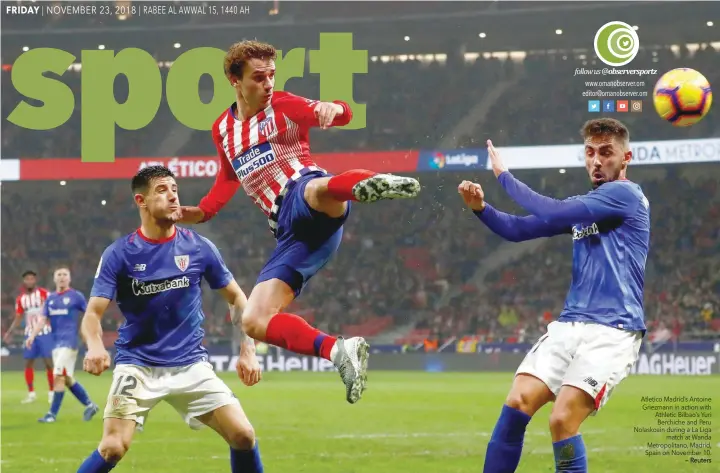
{"x": 590, "y": 381}
{"x": 140, "y": 267}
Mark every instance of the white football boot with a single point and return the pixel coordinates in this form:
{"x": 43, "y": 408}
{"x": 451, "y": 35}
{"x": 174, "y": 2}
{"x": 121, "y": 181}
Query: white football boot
{"x": 350, "y": 357}
{"x": 385, "y": 186}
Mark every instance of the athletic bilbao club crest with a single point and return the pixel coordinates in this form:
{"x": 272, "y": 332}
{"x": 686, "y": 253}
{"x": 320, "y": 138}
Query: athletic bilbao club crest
{"x": 267, "y": 127}
{"x": 182, "y": 262}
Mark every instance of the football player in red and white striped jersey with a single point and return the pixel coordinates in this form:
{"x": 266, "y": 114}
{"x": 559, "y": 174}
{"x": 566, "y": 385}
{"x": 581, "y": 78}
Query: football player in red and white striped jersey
{"x": 263, "y": 144}
{"x": 29, "y": 304}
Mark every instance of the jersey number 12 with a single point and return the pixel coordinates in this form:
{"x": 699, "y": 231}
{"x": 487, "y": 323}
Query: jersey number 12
{"x": 128, "y": 383}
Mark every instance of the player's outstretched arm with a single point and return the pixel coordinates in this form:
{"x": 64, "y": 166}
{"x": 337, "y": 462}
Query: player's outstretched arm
{"x": 509, "y": 227}
{"x": 222, "y": 191}
{"x": 248, "y": 368}
{"x": 97, "y": 358}
{"x": 611, "y": 200}
{"x": 314, "y": 113}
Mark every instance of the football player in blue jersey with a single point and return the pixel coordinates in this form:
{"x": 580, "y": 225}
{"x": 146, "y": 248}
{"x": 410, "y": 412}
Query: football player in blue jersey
{"x": 155, "y": 275}
{"x": 595, "y": 341}
{"x": 64, "y": 308}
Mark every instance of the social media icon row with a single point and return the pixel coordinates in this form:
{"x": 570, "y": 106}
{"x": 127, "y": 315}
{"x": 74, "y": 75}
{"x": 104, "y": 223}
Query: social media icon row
{"x": 615, "y": 106}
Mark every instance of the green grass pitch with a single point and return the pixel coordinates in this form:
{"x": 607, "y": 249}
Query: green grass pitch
{"x": 406, "y": 423}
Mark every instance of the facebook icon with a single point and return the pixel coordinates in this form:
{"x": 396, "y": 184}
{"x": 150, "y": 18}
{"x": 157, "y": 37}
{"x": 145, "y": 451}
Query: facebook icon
{"x": 593, "y": 105}
{"x": 608, "y": 105}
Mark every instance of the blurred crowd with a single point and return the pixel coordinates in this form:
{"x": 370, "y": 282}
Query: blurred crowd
{"x": 408, "y": 262}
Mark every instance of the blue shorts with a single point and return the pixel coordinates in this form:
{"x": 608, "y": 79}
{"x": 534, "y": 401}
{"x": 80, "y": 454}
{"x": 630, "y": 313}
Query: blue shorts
{"x": 42, "y": 347}
{"x": 306, "y": 238}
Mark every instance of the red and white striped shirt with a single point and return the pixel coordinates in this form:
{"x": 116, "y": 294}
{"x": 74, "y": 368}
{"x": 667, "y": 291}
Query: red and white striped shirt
{"x": 264, "y": 152}
{"x": 30, "y": 304}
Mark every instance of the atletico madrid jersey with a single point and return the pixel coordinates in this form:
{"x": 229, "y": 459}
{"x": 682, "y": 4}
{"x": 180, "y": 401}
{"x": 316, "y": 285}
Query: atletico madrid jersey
{"x": 265, "y": 151}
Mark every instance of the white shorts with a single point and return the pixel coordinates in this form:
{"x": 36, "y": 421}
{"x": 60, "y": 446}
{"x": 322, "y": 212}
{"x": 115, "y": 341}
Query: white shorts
{"x": 588, "y": 356}
{"x": 192, "y": 390}
{"x": 64, "y": 359}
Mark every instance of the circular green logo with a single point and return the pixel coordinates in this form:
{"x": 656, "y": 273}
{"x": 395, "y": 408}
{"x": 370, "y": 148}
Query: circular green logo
{"x": 616, "y": 43}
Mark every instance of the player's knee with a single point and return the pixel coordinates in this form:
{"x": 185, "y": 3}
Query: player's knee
{"x": 113, "y": 448}
{"x": 562, "y": 421}
{"x": 61, "y": 382}
{"x": 242, "y": 437}
{"x": 254, "y": 322}
{"x": 523, "y": 402}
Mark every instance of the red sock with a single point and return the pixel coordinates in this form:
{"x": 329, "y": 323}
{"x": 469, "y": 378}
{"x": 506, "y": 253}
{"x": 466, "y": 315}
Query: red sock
{"x": 51, "y": 378}
{"x": 295, "y": 334}
{"x": 29, "y": 378}
{"x": 341, "y": 186}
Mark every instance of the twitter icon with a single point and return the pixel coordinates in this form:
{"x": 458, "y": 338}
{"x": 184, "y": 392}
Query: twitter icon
{"x": 593, "y": 105}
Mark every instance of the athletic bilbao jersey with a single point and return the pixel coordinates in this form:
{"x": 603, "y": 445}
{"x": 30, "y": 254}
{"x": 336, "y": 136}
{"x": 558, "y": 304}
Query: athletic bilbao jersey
{"x": 610, "y": 228}
{"x": 65, "y": 309}
{"x": 609, "y": 256}
{"x": 30, "y": 305}
{"x": 157, "y": 286}
{"x": 265, "y": 151}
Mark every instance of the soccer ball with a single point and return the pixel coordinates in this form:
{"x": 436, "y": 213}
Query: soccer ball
{"x": 682, "y": 97}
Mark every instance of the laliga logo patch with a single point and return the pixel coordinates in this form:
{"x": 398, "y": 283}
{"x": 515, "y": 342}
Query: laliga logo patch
{"x": 438, "y": 161}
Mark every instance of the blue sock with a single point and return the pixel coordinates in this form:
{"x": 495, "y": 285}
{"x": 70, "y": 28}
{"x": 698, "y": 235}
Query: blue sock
{"x": 505, "y": 446}
{"x": 80, "y": 393}
{"x": 95, "y": 463}
{"x": 570, "y": 455}
{"x": 317, "y": 343}
{"x": 57, "y": 402}
{"x": 244, "y": 461}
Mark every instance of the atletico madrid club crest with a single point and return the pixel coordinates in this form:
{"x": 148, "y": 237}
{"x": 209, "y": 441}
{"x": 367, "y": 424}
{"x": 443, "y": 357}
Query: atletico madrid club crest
{"x": 182, "y": 262}
{"x": 266, "y": 127}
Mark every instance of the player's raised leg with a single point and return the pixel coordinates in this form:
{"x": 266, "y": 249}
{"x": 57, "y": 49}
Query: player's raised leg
{"x": 116, "y": 439}
{"x": 527, "y": 395}
{"x": 323, "y": 194}
{"x": 234, "y": 427}
{"x": 264, "y": 320}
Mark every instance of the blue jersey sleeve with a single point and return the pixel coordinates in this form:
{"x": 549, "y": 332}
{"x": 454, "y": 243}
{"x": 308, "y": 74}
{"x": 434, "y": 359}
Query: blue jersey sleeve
{"x": 610, "y": 200}
{"x": 515, "y": 228}
{"x": 614, "y": 199}
{"x": 46, "y": 310}
{"x": 106, "y": 276}
{"x": 216, "y": 272}
{"x": 81, "y": 302}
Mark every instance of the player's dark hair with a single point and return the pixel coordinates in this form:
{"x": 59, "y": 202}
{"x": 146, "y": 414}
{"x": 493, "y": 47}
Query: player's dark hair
{"x": 141, "y": 181}
{"x": 61, "y": 266}
{"x": 605, "y": 127}
{"x": 240, "y": 53}
{"x": 29, "y": 272}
